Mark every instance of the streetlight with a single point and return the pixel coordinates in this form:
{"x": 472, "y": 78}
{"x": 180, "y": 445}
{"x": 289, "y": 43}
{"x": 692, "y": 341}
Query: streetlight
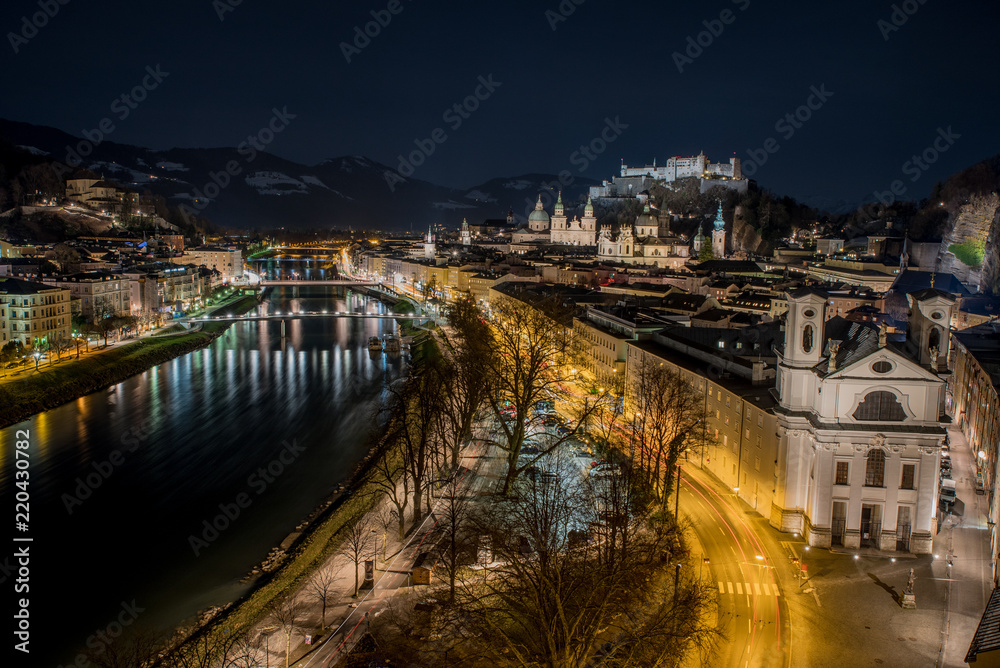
{"x": 37, "y": 355}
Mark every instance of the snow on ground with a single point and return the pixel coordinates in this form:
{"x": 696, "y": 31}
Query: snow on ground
{"x": 116, "y": 171}
{"x": 452, "y": 205}
{"x": 275, "y": 183}
{"x": 141, "y": 162}
{"x": 480, "y": 195}
{"x": 312, "y": 180}
{"x": 32, "y": 150}
{"x": 171, "y": 166}
{"x": 519, "y": 184}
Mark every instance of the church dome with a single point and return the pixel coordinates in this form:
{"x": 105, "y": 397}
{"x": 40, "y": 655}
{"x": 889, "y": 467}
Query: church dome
{"x": 646, "y": 218}
{"x": 538, "y": 215}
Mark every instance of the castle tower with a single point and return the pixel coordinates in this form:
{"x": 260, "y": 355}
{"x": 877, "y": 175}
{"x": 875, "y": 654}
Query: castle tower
{"x": 466, "y": 235}
{"x": 803, "y": 350}
{"x": 538, "y": 220}
{"x": 719, "y": 235}
{"x": 429, "y": 247}
{"x": 559, "y": 215}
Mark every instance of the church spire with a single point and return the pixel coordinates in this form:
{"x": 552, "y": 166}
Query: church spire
{"x": 720, "y": 223}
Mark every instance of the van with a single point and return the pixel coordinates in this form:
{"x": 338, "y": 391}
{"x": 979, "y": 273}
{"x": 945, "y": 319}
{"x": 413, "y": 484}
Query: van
{"x": 948, "y": 493}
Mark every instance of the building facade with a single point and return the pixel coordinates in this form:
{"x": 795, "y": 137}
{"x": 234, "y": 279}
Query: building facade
{"x": 35, "y": 314}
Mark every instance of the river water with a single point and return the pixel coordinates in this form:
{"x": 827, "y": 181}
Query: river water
{"x": 254, "y": 426}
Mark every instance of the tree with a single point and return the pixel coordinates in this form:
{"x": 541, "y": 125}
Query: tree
{"x": 415, "y": 406}
{"x": 389, "y": 473}
{"x": 286, "y": 614}
{"x": 667, "y": 411}
{"x": 358, "y": 546}
{"x": 706, "y": 253}
{"x": 385, "y": 518}
{"x": 552, "y": 599}
{"x": 528, "y": 355}
{"x": 454, "y": 510}
{"x": 322, "y": 588}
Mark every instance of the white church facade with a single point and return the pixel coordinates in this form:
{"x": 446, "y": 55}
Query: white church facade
{"x": 860, "y": 426}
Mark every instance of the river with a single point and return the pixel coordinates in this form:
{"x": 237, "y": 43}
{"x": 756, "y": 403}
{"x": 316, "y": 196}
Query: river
{"x": 254, "y": 426}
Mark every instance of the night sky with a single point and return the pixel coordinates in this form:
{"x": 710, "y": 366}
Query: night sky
{"x": 893, "y": 86}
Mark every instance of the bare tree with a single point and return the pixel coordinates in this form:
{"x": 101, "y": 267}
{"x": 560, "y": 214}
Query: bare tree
{"x": 414, "y": 408}
{"x": 207, "y": 649}
{"x": 453, "y": 512}
{"x": 389, "y": 473}
{"x": 554, "y": 600}
{"x": 385, "y": 518}
{"x": 529, "y": 356}
{"x": 286, "y": 614}
{"x": 667, "y": 412}
{"x": 358, "y": 546}
{"x": 136, "y": 649}
{"x": 322, "y": 589}
{"x": 246, "y": 653}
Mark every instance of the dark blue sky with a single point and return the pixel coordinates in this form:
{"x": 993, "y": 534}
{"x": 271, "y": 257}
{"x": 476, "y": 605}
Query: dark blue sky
{"x": 606, "y": 60}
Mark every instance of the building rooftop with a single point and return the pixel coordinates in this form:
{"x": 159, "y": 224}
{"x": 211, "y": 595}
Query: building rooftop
{"x": 17, "y": 286}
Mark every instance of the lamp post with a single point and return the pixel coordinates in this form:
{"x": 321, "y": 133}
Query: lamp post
{"x": 37, "y": 355}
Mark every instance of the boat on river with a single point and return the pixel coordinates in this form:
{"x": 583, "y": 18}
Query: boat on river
{"x": 375, "y": 344}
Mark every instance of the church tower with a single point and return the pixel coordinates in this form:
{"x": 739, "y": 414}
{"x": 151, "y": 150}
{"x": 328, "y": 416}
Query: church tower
{"x": 466, "y": 235}
{"x": 559, "y": 216}
{"x": 929, "y": 326}
{"x": 589, "y": 220}
{"x": 719, "y": 235}
{"x": 429, "y": 247}
{"x": 803, "y": 350}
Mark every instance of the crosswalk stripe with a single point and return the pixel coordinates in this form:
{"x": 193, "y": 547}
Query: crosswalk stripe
{"x": 757, "y": 589}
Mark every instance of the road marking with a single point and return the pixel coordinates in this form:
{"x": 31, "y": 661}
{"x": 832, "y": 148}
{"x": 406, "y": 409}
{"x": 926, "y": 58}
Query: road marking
{"x": 749, "y": 591}
{"x": 722, "y": 588}
{"x": 756, "y": 588}
{"x": 730, "y": 587}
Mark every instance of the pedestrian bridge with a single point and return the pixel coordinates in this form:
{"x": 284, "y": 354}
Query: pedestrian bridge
{"x": 303, "y": 314}
{"x": 267, "y": 283}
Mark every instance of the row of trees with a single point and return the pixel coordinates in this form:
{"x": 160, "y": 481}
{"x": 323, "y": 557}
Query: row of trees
{"x": 577, "y": 566}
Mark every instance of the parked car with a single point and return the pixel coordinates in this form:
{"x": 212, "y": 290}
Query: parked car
{"x": 562, "y": 431}
{"x": 529, "y": 450}
{"x": 948, "y": 494}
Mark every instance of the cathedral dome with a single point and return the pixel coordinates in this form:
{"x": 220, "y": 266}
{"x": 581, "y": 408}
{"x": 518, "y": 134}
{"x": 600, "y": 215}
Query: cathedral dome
{"x": 538, "y": 215}
{"x": 646, "y": 218}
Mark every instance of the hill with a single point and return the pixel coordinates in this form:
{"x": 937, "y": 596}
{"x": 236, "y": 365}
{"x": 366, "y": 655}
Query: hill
{"x": 239, "y": 187}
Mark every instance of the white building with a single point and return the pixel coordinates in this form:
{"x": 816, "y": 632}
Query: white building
{"x": 226, "y": 261}
{"x": 860, "y": 426}
{"x": 643, "y": 244}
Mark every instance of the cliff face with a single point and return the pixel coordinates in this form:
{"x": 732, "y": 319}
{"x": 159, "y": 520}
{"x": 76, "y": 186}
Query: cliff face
{"x": 969, "y": 247}
{"x": 745, "y": 237}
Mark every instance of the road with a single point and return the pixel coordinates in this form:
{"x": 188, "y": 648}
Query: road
{"x": 741, "y": 567}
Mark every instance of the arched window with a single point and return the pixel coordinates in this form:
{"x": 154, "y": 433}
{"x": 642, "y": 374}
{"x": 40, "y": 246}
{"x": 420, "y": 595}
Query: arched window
{"x": 807, "y": 338}
{"x": 934, "y": 340}
{"x": 880, "y": 406}
{"x": 875, "y": 468}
